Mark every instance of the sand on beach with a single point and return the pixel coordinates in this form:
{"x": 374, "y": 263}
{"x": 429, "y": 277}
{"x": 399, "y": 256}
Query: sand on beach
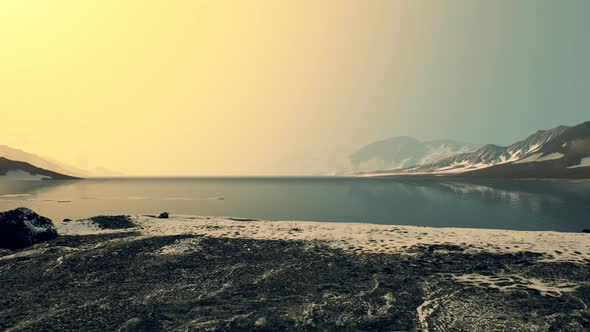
{"x": 362, "y": 237}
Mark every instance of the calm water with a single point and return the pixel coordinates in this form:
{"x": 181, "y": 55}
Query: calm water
{"x": 510, "y": 204}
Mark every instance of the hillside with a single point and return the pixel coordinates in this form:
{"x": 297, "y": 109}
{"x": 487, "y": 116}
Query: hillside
{"x": 404, "y": 151}
{"x": 561, "y": 152}
{"x": 19, "y": 170}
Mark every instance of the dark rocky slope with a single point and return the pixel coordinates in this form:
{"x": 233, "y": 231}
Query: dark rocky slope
{"x": 41, "y": 162}
{"x": 7, "y": 165}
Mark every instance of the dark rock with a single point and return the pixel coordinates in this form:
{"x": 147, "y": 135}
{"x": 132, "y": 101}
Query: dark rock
{"x": 22, "y": 228}
{"x": 67, "y": 220}
{"x": 586, "y": 230}
{"x": 140, "y": 325}
{"x": 113, "y": 222}
{"x": 163, "y": 215}
{"x": 242, "y": 219}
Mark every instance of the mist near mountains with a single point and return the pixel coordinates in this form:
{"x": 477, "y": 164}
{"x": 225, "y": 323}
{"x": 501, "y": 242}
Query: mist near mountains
{"x": 405, "y": 151}
{"x": 49, "y": 164}
{"x": 560, "y": 152}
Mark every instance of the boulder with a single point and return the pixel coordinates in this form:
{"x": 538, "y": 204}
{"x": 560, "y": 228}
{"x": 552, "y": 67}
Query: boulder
{"x": 22, "y": 228}
{"x": 112, "y": 222}
{"x": 163, "y": 215}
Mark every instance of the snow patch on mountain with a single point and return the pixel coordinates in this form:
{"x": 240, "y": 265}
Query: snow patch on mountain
{"x": 585, "y": 162}
{"x": 491, "y": 155}
{"x": 20, "y": 175}
{"x": 538, "y": 157}
{"x": 403, "y": 151}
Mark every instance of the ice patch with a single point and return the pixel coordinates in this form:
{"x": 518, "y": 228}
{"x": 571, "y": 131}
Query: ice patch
{"x": 552, "y": 156}
{"x": 585, "y": 162}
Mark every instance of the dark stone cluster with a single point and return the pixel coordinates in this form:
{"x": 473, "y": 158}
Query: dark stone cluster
{"x": 112, "y": 222}
{"x": 21, "y": 228}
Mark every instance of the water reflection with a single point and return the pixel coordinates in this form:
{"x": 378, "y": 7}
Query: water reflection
{"x": 556, "y": 198}
{"x": 509, "y": 204}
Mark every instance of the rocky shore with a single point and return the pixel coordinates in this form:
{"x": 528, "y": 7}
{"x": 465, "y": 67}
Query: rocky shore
{"x": 144, "y": 273}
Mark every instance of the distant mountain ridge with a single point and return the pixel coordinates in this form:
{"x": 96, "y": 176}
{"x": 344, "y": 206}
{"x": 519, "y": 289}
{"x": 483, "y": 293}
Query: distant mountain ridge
{"x": 20, "y": 155}
{"x": 490, "y": 154}
{"x": 52, "y": 165}
{"x": 404, "y": 151}
{"x": 558, "y": 152}
{"x": 563, "y": 156}
{"x": 20, "y": 170}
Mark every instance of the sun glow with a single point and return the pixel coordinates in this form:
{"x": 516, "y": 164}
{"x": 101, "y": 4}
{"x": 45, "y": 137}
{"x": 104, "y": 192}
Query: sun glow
{"x": 217, "y": 87}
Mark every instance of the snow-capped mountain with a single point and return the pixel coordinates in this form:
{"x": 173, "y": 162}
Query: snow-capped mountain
{"x": 535, "y": 141}
{"x": 44, "y": 163}
{"x": 53, "y": 165}
{"x": 403, "y": 151}
{"x": 490, "y": 155}
{"x": 559, "y": 152}
{"x": 19, "y": 170}
{"x": 566, "y": 155}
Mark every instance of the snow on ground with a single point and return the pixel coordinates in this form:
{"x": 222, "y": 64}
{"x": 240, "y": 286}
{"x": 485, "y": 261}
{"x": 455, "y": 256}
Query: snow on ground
{"x": 464, "y": 166}
{"x": 360, "y": 237}
{"x": 538, "y": 157}
{"x": 585, "y": 162}
{"x": 529, "y": 159}
{"x": 552, "y": 156}
{"x": 21, "y": 175}
{"x": 504, "y": 282}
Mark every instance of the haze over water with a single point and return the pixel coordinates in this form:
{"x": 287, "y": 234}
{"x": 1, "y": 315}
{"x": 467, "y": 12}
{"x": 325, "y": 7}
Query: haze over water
{"x": 508, "y": 204}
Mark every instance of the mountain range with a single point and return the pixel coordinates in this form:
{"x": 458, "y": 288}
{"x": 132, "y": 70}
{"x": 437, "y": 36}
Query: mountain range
{"x": 404, "y": 151}
{"x": 19, "y": 164}
{"x": 561, "y": 152}
{"x": 20, "y": 170}
{"x": 40, "y": 162}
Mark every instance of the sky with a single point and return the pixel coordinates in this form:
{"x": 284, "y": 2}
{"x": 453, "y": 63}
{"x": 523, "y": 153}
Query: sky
{"x": 257, "y": 87}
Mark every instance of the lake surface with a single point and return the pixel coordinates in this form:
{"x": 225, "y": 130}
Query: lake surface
{"x": 501, "y": 204}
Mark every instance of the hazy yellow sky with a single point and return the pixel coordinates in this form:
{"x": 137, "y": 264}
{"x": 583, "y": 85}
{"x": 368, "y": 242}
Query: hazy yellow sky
{"x": 181, "y": 87}
{"x": 214, "y": 87}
